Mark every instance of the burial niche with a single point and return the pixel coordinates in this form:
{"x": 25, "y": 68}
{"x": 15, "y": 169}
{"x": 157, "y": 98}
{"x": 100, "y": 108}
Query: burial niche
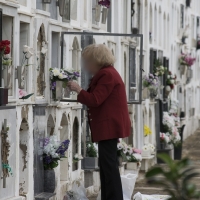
{"x": 64, "y": 135}
{"x": 75, "y": 142}
{"x": 23, "y": 158}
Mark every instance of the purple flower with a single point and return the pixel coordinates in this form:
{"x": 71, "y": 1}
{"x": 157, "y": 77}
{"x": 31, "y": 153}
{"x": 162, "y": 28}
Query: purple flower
{"x": 46, "y": 141}
{"x": 47, "y": 159}
{"x": 105, "y": 3}
{"x": 63, "y": 148}
{"x": 76, "y": 74}
{"x": 53, "y": 85}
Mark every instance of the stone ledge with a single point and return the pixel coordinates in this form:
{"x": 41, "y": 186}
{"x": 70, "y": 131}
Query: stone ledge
{"x": 44, "y": 196}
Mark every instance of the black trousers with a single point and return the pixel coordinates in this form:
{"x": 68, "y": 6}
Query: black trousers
{"x": 111, "y": 187}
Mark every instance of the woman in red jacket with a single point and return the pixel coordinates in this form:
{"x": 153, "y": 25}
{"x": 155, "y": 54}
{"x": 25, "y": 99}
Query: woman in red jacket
{"x": 107, "y": 114}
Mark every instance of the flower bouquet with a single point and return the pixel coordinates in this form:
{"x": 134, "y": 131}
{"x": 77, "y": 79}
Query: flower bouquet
{"x": 53, "y": 151}
{"x": 170, "y": 82}
{"x": 147, "y": 131}
{"x": 159, "y": 69}
{"x": 77, "y": 157}
{"x": 59, "y": 79}
{"x": 164, "y": 139}
{"x": 186, "y": 60}
{"x": 152, "y": 83}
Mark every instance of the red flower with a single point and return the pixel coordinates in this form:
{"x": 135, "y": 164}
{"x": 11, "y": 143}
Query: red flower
{"x": 172, "y": 86}
{"x": 7, "y": 50}
{"x": 5, "y": 42}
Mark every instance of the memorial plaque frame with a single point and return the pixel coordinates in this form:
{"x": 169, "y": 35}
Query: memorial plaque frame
{"x": 138, "y": 69}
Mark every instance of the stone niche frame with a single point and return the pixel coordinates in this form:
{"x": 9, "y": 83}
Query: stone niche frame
{"x": 136, "y": 43}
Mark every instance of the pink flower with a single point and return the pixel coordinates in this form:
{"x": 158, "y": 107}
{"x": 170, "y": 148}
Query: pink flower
{"x": 137, "y": 151}
{"x": 22, "y": 93}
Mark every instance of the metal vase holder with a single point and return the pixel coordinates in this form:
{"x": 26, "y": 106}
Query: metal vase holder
{"x": 104, "y": 15}
{"x": 21, "y": 76}
{"x": 97, "y": 13}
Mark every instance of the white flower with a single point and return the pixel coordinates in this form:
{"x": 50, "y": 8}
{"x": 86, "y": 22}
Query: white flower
{"x": 56, "y": 71}
{"x": 60, "y": 76}
{"x": 29, "y": 54}
{"x": 137, "y": 156}
{"x": 44, "y": 50}
{"x": 25, "y": 48}
{"x": 172, "y": 81}
{"x": 6, "y": 56}
{"x": 119, "y": 146}
{"x": 168, "y": 88}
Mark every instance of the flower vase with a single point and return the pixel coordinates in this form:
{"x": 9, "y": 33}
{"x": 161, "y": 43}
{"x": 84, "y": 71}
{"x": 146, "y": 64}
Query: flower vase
{"x": 67, "y": 92}
{"x": 59, "y": 90}
{"x": 153, "y": 94}
{"x": 5, "y": 76}
{"x": 49, "y": 181}
{"x": 189, "y": 73}
{"x": 21, "y": 76}
{"x": 132, "y": 166}
{"x": 97, "y": 13}
{"x": 183, "y": 69}
{"x": 104, "y": 15}
{"x": 145, "y": 93}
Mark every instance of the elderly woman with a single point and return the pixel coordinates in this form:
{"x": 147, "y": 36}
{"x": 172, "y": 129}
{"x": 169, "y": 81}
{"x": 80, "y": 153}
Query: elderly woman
{"x": 107, "y": 114}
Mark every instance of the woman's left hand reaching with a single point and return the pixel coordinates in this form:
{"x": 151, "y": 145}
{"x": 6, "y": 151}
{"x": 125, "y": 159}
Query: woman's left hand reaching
{"x": 73, "y": 86}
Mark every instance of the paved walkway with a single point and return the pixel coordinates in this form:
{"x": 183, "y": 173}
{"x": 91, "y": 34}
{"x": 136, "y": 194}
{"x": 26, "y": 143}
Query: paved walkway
{"x": 191, "y": 149}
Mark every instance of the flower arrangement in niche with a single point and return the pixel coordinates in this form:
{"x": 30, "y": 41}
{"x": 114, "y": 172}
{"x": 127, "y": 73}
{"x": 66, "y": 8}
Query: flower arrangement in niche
{"x": 64, "y": 76}
{"x": 23, "y": 94}
{"x": 91, "y": 150}
{"x": 105, "y": 3}
{"x": 186, "y": 60}
{"x": 152, "y": 83}
{"x": 5, "y": 52}
{"x": 159, "y": 69}
{"x": 147, "y": 131}
{"x": 127, "y": 152}
{"x": 4, "y": 47}
{"x": 170, "y": 82}
{"x": 77, "y": 157}
{"x": 53, "y": 151}
{"x": 27, "y": 54}
{"x": 164, "y": 138}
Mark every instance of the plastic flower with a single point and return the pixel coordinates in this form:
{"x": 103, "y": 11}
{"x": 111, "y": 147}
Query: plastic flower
{"x": 22, "y": 93}
{"x": 147, "y": 131}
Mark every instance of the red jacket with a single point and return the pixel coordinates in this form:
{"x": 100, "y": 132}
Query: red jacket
{"x": 107, "y": 106}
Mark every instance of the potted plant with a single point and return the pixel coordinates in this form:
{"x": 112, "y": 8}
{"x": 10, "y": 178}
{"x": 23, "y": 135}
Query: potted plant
{"x": 133, "y": 161}
{"x": 175, "y": 178}
{"x": 59, "y": 79}
{"x": 53, "y": 151}
{"x": 152, "y": 85}
{"x": 106, "y": 5}
{"x": 91, "y": 159}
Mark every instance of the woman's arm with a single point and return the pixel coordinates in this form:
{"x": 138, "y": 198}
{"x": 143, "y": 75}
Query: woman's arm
{"x": 104, "y": 87}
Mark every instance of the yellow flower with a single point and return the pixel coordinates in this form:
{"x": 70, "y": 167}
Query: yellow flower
{"x": 147, "y": 131}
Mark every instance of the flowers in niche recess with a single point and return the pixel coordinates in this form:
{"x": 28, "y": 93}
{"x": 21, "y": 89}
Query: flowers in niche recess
{"x": 53, "y": 151}
{"x": 77, "y": 157}
{"x": 147, "y": 131}
{"x": 105, "y": 3}
{"x": 186, "y": 59}
{"x": 159, "y": 69}
{"x": 170, "y": 82}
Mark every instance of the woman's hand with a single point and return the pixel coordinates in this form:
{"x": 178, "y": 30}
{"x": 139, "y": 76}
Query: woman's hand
{"x": 73, "y": 86}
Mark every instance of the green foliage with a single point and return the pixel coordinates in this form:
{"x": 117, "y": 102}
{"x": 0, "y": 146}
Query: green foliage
{"x": 27, "y": 96}
{"x": 51, "y": 165}
{"x": 91, "y": 150}
{"x": 176, "y": 179}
